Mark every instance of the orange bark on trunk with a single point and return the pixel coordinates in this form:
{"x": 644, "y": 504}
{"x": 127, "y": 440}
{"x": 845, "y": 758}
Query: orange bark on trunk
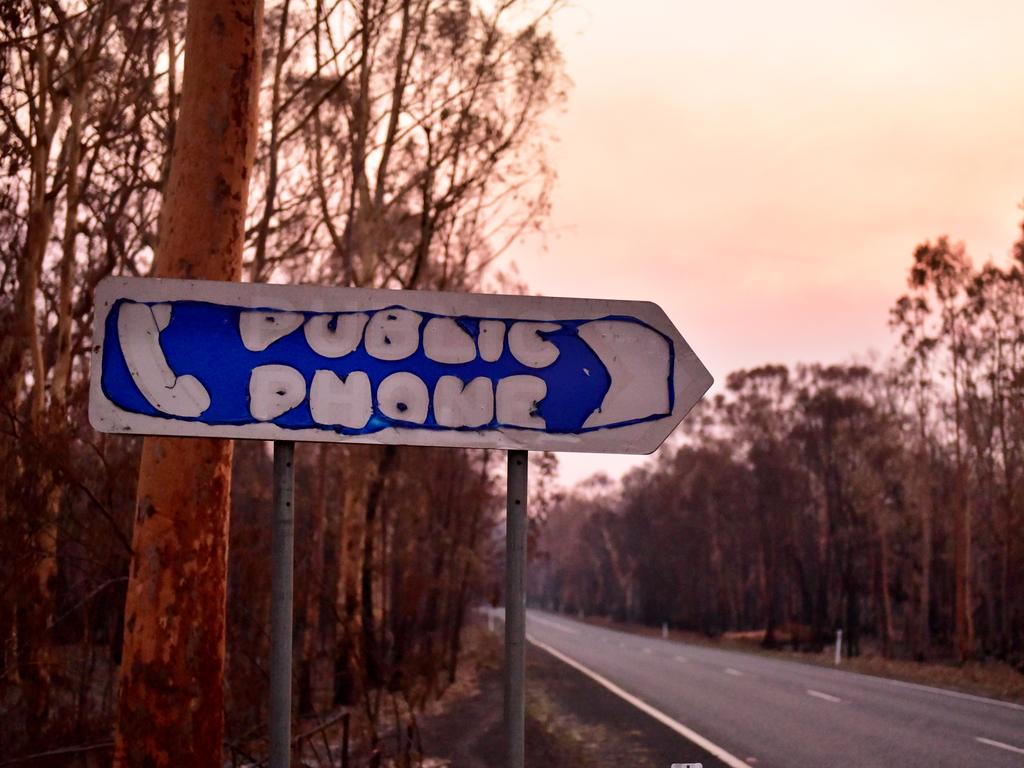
{"x": 171, "y": 697}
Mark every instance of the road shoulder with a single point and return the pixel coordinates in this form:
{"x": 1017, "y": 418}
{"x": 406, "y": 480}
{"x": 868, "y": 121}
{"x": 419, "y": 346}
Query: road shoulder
{"x": 571, "y": 721}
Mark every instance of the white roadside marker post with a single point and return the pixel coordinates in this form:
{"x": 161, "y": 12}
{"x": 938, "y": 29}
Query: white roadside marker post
{"x": 839, "y": 647}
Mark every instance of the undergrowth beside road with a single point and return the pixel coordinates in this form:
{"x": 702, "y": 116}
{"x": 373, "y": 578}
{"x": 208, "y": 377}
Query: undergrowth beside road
{"x": 570, "y": 721}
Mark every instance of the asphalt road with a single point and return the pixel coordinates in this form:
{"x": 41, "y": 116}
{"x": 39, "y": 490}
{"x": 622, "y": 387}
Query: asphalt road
{"x": 780, "y": 714}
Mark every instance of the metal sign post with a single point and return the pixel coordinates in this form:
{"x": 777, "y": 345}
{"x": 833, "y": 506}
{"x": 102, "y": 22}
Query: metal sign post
{"x": 281, "y": 594}
{"x": 515, "y": 608}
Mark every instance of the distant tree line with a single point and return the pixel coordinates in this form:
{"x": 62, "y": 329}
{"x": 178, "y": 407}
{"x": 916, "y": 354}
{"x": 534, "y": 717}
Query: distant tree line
{"x": 884, "y": 500}
{"x": 401, "y": 144}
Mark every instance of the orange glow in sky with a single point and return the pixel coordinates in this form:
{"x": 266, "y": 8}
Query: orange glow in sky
{"x": 763, "y": 171}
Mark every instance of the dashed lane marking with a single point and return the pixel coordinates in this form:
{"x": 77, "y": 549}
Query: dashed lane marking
{"x": 952, "y": 694}
{"x": 554, "y": 625}
{"x": 824, "y": 696}
{"x": 999, "y": 744}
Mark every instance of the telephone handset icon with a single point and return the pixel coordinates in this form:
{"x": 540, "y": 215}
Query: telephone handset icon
{"x": 138, "y": 329}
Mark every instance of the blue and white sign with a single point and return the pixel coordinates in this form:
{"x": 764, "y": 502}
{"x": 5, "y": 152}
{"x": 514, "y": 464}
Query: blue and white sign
{"x": 288, "y": 362}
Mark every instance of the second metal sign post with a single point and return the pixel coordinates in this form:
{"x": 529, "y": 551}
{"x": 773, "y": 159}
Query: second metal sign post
{"x": 516, "y": 524}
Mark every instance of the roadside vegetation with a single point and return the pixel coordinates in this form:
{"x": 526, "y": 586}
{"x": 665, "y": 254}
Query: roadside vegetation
{"x": 400, "y": 145}
{"x": 882, "y": 499}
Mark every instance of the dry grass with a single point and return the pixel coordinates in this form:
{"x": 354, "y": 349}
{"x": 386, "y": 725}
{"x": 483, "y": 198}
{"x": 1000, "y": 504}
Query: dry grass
{"x": 996, "y": 679}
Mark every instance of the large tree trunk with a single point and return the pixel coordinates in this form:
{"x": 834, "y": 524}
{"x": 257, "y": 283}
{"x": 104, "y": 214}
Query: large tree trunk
{"x": 925, "y": 503}
{"x": 39, "y": 601}
{"x": 963, "y": 598}
{"x": 21, "y": 349}
{"x": 171, "y": 700}
{"x": 963, "y": 612}
{"x": 925, "y": 597}
{"x": 888, "y": 631}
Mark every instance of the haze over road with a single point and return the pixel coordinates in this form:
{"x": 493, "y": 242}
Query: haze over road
{"x": 792, "y": 715}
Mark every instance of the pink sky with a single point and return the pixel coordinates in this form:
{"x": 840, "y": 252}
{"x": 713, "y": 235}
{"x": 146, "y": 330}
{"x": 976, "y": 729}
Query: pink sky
{"x": 763, "y": 171}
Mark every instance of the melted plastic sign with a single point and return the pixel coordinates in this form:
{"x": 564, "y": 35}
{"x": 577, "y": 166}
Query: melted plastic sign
{"x": 243, "y": 360}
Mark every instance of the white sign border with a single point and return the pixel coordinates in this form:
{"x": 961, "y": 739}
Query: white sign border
{"x": 690, "y": 377}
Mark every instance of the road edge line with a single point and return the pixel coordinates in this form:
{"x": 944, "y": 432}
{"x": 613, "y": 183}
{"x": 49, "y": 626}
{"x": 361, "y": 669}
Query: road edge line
{"x": 945, "y": 692}
{"x": 980, "y": 699}
{"x": 709, "y": 746}
{"x": 824, "y": 696}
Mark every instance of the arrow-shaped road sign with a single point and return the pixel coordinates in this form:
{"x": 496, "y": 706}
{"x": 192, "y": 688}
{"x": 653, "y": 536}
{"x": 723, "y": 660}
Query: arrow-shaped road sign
{"x": 289, "y": 362}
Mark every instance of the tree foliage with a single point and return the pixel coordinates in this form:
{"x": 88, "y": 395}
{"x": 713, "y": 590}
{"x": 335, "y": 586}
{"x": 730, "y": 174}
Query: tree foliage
{"x": 883, "y": 500}
{"x": 401, "y": 144}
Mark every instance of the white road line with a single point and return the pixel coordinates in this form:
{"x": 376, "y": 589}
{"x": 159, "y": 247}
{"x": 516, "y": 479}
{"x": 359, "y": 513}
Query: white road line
{"x": 554, "y": 625}
{"x": 1001, "y": 745}
{"x": 733, "y": 672}
{"x": 825, "y": 696}
{"x": 682, "y": 659}
{"x": 729, "y": 759}
{"x": 954, "y": 694}
{"x": 872, "y": 679}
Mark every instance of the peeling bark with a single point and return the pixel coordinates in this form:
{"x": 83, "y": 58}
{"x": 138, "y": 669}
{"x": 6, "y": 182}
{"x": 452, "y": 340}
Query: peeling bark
{"x": 170, "y": 707}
